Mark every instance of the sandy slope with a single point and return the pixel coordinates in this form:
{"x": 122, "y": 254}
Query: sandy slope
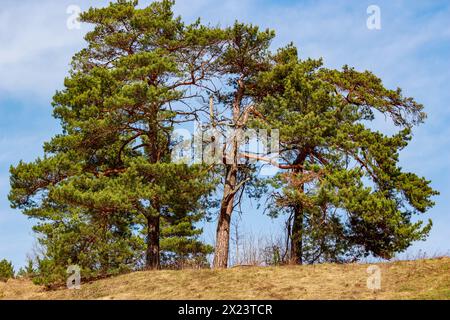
{"x": 420, "y": 279}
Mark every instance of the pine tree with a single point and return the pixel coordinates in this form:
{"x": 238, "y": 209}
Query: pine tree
{"x": 112, "y": 163}
{"x": 342, "y": 186}
{"x": 244, "y": 56}
{"x": 101, "y": 246}
{"x": 6, "y": 270}
{"x": 180, "y": 244}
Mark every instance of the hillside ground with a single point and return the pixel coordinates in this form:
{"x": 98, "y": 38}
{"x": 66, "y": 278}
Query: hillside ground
{"x": 419, "y": 279}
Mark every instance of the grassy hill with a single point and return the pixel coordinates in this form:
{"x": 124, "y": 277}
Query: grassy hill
{"x": 420, "y": 279}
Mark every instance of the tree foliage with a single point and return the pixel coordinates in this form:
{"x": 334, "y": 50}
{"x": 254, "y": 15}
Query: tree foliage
{"x": 109, "y": 176}
{"x": 6, "y": 270}
{"x": 108, "y": 196}
{"x": 342, "y": 184}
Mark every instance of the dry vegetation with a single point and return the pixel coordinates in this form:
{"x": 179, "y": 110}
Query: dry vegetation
{"x": 420, "y": 279}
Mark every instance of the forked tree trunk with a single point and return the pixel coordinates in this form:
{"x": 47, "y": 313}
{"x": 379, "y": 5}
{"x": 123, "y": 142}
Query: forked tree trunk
{"x": 152, "y": 260}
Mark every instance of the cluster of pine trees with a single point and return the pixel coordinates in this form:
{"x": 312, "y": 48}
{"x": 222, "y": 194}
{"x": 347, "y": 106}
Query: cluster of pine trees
{"x": 107, "y": 195}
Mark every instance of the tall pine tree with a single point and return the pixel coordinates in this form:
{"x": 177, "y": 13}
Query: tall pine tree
{"x": 245, "y": 54}
{"x": 341, "y": 183}
{"x": 126, "y": 91}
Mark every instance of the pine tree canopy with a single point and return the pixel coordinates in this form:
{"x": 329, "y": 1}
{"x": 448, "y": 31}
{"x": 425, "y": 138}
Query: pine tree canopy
{"x": 107, "y": 194}
{"x": 342, "y": 178}
{"x": 117, "y": 111}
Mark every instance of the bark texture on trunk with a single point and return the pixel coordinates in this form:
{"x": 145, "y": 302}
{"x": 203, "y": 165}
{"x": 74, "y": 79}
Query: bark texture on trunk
{"x": 296, "y": 236}
{"x": 152, "y": 254}
{"x": 152, "y": 260}
{"x": 297, "y": 224}
{"x": 223, "y": 225}
{"x": 230, "y": 187}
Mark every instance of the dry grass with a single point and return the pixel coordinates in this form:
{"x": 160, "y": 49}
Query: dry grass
{"x": 421, "y": 279}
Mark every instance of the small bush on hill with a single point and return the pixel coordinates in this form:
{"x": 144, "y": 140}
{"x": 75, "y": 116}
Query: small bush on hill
{"x": 6, "y": 270}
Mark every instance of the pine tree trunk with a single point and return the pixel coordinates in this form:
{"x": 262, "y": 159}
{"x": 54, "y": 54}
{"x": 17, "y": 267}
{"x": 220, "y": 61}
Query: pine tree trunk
{"x": 223, "y": 225}
{"x": 297, "y": 224}
{"x": 296, "y": 237}
{"x": 152, "y": 255}
{"x": 227, "y": 204}
{"x": 152, "y": 260}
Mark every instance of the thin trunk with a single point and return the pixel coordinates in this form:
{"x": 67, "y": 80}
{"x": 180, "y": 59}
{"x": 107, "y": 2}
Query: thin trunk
{"x": 237, "y": 237}
{"x": 152, "y": 261}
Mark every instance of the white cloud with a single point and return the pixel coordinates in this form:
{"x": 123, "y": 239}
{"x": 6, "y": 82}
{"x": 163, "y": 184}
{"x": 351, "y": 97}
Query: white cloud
{"x": 36, "y": 47}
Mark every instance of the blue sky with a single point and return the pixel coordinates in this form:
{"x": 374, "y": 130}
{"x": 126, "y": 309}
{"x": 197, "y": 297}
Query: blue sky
{"x": 412, "y": 51}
